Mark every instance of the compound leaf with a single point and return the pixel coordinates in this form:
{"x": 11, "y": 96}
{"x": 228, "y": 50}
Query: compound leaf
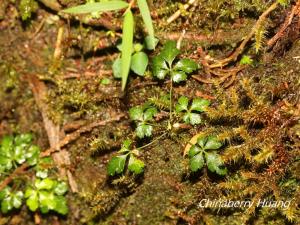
{"x": 135, "y": 165}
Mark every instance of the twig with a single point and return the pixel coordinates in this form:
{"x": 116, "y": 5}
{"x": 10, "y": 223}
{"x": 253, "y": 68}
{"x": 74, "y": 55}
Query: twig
{"x": 58, "y": 45}
{"x": 178, "y": 12}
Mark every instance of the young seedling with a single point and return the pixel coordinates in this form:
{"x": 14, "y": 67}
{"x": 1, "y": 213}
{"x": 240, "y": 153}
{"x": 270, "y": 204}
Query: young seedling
{"x": 205, "y": 150}
{"x": 191, "y": 113}
{"x": 139, "y": 61}
{"x": 16, "y": 151}
{"x": 46, "y": 195}
{"x": 142, "y": 115}
{"x": 117, "y": 164}
{"x": 163, "y": 64}
{"x": 10, "y": 199}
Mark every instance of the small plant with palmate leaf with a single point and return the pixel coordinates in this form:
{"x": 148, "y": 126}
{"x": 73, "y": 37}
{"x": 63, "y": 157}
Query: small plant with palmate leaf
{"x": 128, "y": 31}
{"x": 118, "y": 163}
{"x": 46, "y": 194}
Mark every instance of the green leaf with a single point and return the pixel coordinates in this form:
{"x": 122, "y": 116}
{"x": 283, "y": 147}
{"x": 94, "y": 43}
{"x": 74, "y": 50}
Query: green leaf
{"x": 117, "y": 68}
{"x": 215, "y": 163}
{"x": 149, "y": 43}
{"x": 61, "y": 188}
{"x": 136, "y": 113}
{"x": 194, "y": 118}
{"x": 116, "y": 165}
{"x": 182, "y": 104}
{"x": 32, "y": 202}
{"x": 105, "y": 81}
{"x": 46, "y": 200}
{"x": 144, "y": 130}
{"x": 186, "y": 65}
{"x": 5, "y": 192}
{"x": 145, "y": 12}
{"x": 178, "y": 76}
{"x": 5, "y": 163}
{"x": 194, "y": 150}
{"x": 23, "y": 139}
{"x": 135, "y": 165}
{"x": 7, "y": 143}
{"x": 61, "y": 205}
{"x": 97, "y": 7}
{"x": 17, "y": 199}
{"x": 150, "y": 113}
{"x": 6, "y": 204}
{"x": 200, "y": 104}
{"x": 170, "y": 52}
{"x": 32, "y": 155}
{"x": 212, "y": 143}
{"x": 139, "y": 63}
{"x": 127, "y": 45}
{"x": 161, "y": 73}
{"x": 45, "y": 184}
{"x": 42, "y": 174}
{"x": 196, "y": 162}
{"x": 201, "y": 141}
{"x": 160, "y": 68}
{"x": 138, "y": 47}
{"x": 19, "y": 154}
{"x": 126, "y": 144}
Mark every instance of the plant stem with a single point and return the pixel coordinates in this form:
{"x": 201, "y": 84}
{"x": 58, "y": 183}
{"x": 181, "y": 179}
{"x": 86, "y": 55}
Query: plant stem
{"x": 152, "y": 142}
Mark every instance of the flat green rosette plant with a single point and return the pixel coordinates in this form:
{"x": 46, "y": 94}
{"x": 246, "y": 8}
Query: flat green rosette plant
{"x": 205, "y": 150}
{"x": 142, "y": 116}
{"x": 10, "y": 200}
{"x": 118, "y": 163}
{"x": 17, "y": 150}
{"x": 163, "y": 64}
{"x": 47, "y": 194}
{"x": 191, "y": 111}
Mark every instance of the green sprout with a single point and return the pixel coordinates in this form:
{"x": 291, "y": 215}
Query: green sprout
{"x": 117, "y": 164}
{"x": 142, "y": 115}
{"x": 10, "y": 199}
{"x": 16, "y": 151}
{"x": 206, "y": 150}
{"x": 47, "y": 194}
{"x": 191, "y": 113}
{"x": 163, "y": 64}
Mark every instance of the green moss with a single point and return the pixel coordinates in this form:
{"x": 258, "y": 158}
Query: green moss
{"x": 27, "y": 7}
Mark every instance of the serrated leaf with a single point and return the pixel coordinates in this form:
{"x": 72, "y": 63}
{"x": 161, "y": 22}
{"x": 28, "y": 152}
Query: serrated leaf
{"x": 46, "y": 199}
{"x": 32, "y": 155}
{"x": 7, "y": 143}
{"x": 182, "y": 104}
{"x": 5, "y": 192}
{"x": 215, "y": 163}
{"x": 150, "y": 113}
{"x": 17, "y": 199}
{"x": 61, "y": 205}
{"x": 135, "y": 165}
{"x": 200, "y": 104}
{"x": 194, "y": 150}
{"x": 169, "y": 52}
{"x": 139, "y": 63}
{"x": 196, "y": 162}
{"x": 97, "y": 7}
{"x": 145, "y": 12}
{"x": 6, "y": 205}
{"x": 201, "y": 141}
{"x": 41, "y": 173}
{"x": 117, "y": 68}
{"x": 116, "y": 165}
{"x": 178, "y": 76}
{"x": 23, "y": 139}
{"x": 33, "y": 202}
{"x": 194, "y": 118}
{"x": 61, "y": 188}
{"x": 159, "y": 63}
{"x": 6, "y": 163}
{"x": 186, "y": 65}
{"x": 127, "y": 45}
{"x": 19, "y": 153}
{"x": 136, "y": 113}
{"x": 144, "y": 130}
{"x": 212, "y": 143}
{"x": 45, "y": 184}
{"x": 160, "y": 74}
